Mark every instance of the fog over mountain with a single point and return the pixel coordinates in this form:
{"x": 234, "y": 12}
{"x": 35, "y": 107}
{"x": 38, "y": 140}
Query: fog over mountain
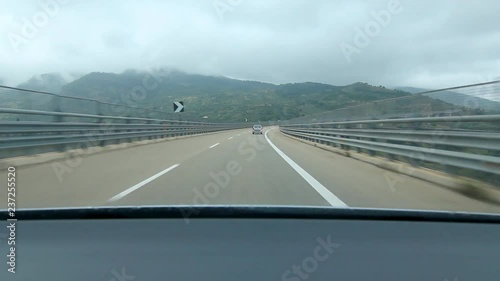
{"x": 425, "y": 44}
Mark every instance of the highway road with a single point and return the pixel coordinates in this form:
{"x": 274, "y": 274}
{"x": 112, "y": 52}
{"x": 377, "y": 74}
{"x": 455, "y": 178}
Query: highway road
{"x": 229, "y": 168}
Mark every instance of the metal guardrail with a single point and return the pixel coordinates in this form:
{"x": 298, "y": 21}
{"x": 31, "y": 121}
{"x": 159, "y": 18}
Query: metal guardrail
{"x": 414, "y": 140}
{"x": 20, "y": 138}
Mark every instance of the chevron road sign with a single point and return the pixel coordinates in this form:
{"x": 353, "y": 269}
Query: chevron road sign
{"x": 178, "y": 106}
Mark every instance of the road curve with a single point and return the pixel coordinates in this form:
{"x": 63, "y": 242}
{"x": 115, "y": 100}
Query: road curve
{"x": 229, "y": 168}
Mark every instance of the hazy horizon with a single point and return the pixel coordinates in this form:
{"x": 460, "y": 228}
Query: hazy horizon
{"x": 422, "y": 44}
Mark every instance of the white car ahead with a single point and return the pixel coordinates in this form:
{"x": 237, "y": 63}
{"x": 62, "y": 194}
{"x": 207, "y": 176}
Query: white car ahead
{"x": 257, "y": 130}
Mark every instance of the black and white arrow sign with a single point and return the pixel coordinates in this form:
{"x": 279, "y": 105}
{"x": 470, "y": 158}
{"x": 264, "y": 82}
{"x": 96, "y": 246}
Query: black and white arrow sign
{"x": 178, "y": 106}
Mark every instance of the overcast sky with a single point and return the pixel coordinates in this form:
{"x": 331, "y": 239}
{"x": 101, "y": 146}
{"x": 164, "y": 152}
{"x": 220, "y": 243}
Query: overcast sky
{"x": 427, "y": 44}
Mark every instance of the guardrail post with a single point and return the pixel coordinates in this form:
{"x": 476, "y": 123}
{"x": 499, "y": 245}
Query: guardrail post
{"x": 371, "y": 126}
{"x": 179, "y": 124}
{"x": 100, "y": 121}
{"x": 163, "y": 129}
{"x": 341, "y": 146}
{"x": 56, "y": 107}
{"x": 319, "y": 134}
{"x": 99, "y": 111}
{"x": 165, "y": 126}
{"x": 345, "y": 146}
{"x": 416, "y": 162}
{"x": 327, "y": 134}
{"x": 150, "y": 122}
{"x": 385, "y": 155}
{"x": 128, "y": 122}
{"x": 358, "y": 126}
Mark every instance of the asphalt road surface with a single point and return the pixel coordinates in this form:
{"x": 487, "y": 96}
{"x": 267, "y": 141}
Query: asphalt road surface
{"x": 228, "y": 168}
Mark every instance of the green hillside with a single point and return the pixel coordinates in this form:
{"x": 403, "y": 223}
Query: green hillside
{"x": 222, "y": 98}
{"x": 219, "y": 98}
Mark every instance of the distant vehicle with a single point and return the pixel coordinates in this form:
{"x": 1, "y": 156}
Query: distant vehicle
{"x": 257, "y": 130}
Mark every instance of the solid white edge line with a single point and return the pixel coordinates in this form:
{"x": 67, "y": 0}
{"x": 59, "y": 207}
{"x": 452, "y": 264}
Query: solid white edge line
{"x": 321, "y": 189}
{"x": 141, "y": 184}
{"x": 214, "y": 145}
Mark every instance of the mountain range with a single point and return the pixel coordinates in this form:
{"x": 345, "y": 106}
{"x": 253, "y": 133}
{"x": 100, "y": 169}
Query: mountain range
{"x": 215, "y": 98}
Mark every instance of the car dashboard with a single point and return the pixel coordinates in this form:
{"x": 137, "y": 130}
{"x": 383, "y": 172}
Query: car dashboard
{"x": 253, "y": 243}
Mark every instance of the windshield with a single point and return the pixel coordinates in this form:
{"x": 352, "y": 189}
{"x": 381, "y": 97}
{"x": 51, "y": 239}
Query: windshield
{"x": 357, "y": 104}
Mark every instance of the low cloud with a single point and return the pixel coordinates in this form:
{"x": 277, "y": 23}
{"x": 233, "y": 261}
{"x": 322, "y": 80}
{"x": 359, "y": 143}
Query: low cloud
{"x": 428, "y": 44}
